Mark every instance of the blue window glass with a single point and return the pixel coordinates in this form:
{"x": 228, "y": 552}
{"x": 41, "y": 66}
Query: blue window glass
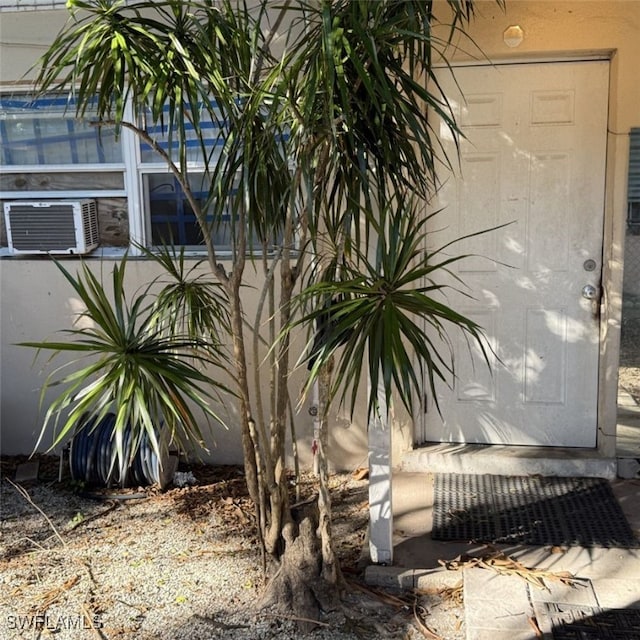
{"x": 209, "y": 124}
{"x": 171, "y": 217}
{"x": 44, "y": 131}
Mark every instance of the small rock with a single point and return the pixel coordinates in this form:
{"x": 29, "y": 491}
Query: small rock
{"x": 184, "y": 478}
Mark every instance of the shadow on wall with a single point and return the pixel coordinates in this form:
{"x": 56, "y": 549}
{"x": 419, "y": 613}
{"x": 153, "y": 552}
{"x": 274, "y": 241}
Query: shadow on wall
{"x": 348, "y": 443}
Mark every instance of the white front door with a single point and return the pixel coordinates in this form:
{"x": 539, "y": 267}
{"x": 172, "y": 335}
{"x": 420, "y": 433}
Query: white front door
{"x": 533, "y": 156}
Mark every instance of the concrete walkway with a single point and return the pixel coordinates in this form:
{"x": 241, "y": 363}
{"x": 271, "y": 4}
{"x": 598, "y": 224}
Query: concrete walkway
{"x": 508, "y": 607}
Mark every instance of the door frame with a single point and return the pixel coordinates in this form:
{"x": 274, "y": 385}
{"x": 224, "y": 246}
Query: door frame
{"x": 611, "y": 277}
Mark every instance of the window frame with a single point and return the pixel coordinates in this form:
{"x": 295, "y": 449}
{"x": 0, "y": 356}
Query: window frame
{"x": 133, "y": 170}
{"x": 69, "y": 194}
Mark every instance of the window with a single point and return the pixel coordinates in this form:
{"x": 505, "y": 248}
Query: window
{"x": 39, "y": 132}
{"x": 170, "y": 216}
{"x": 46, "y": 153}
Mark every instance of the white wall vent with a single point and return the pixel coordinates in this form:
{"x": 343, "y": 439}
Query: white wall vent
{"x": 54, "y": 226}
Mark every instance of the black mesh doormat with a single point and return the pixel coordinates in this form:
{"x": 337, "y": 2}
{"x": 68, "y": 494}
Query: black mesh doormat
{"x": 571, "y": 622}
{"x": 531, "y": 510}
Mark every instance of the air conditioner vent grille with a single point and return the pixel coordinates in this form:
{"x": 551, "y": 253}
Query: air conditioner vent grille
{"x": 62, "y": 227}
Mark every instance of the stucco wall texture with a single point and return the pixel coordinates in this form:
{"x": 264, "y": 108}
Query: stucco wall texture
{"x": 35, "y": 301}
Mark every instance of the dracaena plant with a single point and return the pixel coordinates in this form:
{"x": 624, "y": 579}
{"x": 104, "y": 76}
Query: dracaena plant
{"x": 385, "y": 309}
{"x": 322, "y": 108}
{"x": 146, "y": 357}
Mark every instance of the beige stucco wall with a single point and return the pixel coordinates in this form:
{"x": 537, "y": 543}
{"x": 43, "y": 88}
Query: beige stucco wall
{"x": 25, "y": 36}
{"x": 37, "y": 302}
{"x": 34, "y": 301}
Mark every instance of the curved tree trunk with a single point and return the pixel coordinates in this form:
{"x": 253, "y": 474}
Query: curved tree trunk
{"x": 299, "y": 588}
{"x": 298, "y": 537}
{"x": 250, "y": 461}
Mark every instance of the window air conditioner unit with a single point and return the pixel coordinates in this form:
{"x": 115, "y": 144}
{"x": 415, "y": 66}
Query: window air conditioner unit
{"x": 54, "y": 226}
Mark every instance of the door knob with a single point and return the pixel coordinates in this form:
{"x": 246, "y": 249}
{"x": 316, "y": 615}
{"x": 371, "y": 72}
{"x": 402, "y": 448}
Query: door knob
{"x": 589, "y": 292}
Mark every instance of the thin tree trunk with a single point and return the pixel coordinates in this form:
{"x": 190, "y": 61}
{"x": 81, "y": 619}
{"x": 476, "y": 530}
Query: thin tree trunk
{"x": 240, "y": 360}
{"x": 330, "y": 565}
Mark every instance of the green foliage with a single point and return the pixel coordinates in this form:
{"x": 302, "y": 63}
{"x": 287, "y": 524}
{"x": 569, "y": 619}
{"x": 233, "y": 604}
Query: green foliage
{"x": 331, "y": 139}
{"x": 382, "y": 309}
{"x": 137, "y": 358}
{"x": 189, "y": 302}
{"x": 151, "y": 53}
{"x": 360, "y": 90}
{"x": 365, "y": 93}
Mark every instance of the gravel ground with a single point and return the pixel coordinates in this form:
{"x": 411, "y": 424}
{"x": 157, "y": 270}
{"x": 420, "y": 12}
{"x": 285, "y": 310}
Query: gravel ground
{"x": 182, "y": 564}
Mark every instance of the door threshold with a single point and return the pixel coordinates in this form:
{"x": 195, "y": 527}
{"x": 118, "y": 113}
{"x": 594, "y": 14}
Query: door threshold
{"x": 439, "y": 457}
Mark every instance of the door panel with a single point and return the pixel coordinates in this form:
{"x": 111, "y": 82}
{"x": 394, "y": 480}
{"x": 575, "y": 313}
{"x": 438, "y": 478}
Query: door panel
{"x": 533, "y": 157}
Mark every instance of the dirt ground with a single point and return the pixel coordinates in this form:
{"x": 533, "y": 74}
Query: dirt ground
{"x": 184, "y": 564}
{"x": 180, "y": 564}
{"x": 629, "y": 380}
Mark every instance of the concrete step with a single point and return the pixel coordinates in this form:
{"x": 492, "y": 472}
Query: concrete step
{"x": 508, "y": 460}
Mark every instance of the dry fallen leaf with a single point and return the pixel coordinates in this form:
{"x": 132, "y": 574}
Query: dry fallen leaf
{"x": 502, "y": 564}
{"x": 53, "y": 595}
{"x": 361, "y": 473}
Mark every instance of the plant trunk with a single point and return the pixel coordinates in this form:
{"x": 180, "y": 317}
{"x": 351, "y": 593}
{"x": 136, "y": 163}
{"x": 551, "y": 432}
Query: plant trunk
{"x": 299, "y": 536}
{"x": 330, "y": 566}
{"x": 299, "y": 588}
{"x": 246, "y": 419}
